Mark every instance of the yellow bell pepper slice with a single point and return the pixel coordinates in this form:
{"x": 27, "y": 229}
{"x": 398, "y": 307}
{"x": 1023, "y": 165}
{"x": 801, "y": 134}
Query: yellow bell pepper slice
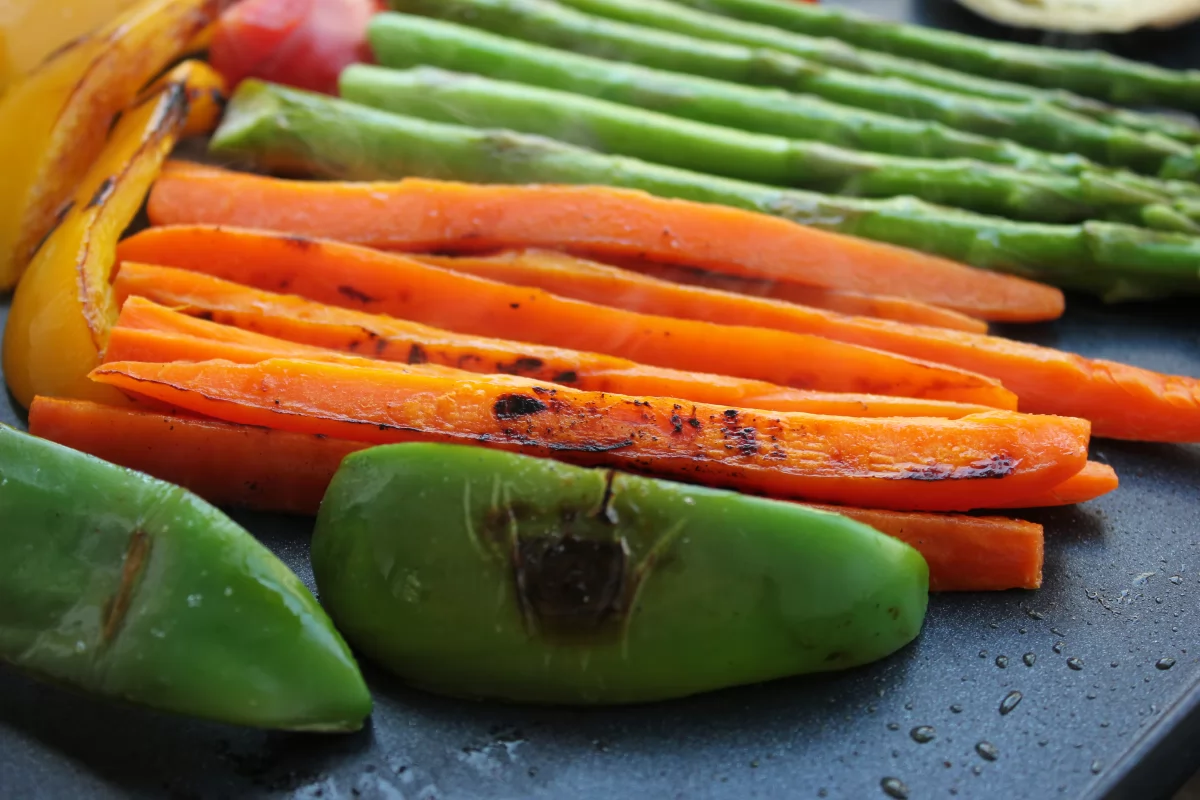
{"x": 54, "y": 123}
{"x": 36, "y": 28}
{"x": 64, "y": 306}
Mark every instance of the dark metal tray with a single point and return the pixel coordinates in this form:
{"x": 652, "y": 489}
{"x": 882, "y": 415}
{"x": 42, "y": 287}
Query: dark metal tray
{"x": 1121, "y": 593}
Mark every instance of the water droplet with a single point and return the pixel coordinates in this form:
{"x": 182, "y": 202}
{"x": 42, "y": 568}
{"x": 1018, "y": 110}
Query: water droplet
{"x": 956, "y": 709}
{"x": 1058, "y": 646}
{"x": 1035, "y": 614}
{"x": 754, "y": 764}
{"x": 908, "y": 706}
{"x": 1105, "y": 724}
{"x": 870, "y": 709}
{"x": 923, "y": 734}
{"x": 1023, "y": 630}
{"x": 988, "y": 751}
{"x": 1075, "y": 663}
{"x": 893, "y": 726}
{"x": 228, "y": 591}
{"x": 1175, "y": 579}
{"x": 1115, "y": 664}
{"x": 894, "y": 787}
{"x": 80, "y": 646}
{"x": 1043, "y": 742}
{"x": 983, "y": 653}
{"x": 1158, "y": 600}
{"x": 1165, "y": 663}
{"x": 1010, "y": 701}
{"x": 193, "y": 600}
{"x": 1002, "y": 661}
{"x": 1030, "y": 659}
{"x": 1091, "y": 695}
{"x": 1096, "y": 767}
{"x": 976, "y": 770}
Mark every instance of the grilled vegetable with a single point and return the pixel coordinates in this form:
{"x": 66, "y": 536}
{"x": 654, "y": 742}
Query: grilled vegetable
{"x": 275, "y": 470}
{"x": 53, "y": 124}
{"x": 363, "y": 279}
{"x": 1090, "y": 73}
{"x": 981, "y": 460}
{"x": 122, "y": 585}
{"x": 554, "y": 584}
{"x": 61, "y": 313}
{"x": 479, "y": 102}
{"x": 673, "y": 16}
{"x": 287, "y": 129}
{"x": 1041, "y": 126}
{"x": 300, "y": 320}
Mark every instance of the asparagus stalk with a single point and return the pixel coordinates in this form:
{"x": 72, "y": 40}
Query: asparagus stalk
{"x": 440, "y": 96}
{"x": 403, "y": 41}
{"x": 1041, "y": 126}
{"x": 279, "y": 128}
{"x": 1090, "y": 73}
{"x": 671, "y": 16}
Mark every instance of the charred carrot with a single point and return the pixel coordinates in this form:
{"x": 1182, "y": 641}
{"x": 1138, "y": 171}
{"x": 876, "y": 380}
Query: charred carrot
{"x": 1094, "y": 480}
{"x": 965, "y": 554}
{"x": 1122, "y": 401}
{"x": 274, "y": 470}
{"x": 439, "y": 216}
{"x": 249, "y": 308}
{"x": 369, "y": 280}
{"x": 896, "y": 463}
{"x": 897, "y": 309}
{"x": 222, "y": 462}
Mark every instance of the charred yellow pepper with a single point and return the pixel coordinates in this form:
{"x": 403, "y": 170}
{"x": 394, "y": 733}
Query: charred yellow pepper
{"x": 64, "y": 307}
{"x": 53, "y": 123}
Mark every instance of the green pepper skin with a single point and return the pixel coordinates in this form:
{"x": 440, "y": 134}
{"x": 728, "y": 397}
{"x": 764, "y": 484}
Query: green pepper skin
{"x": 126, "y": 586}
{"x": 487, "y": 574}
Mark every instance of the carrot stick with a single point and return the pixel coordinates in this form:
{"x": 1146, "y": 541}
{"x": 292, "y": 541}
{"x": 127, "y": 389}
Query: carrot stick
{"x": 432, "y": 215}
{"x": 356, "y": 277}
{"x": 1094, "y": 480}
{"x": 1122, "y": 401}
{"x": 273, "y": 470}
{"x": 965, "y": 554}
{"x": 897, "y": 309}
{"x": 296, "y": 319}
{"x": 223, "y": 462}
{"x": 911, "y": 464}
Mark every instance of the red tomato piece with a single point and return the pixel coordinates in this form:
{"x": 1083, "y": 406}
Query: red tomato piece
{"x": 301, "y": 43}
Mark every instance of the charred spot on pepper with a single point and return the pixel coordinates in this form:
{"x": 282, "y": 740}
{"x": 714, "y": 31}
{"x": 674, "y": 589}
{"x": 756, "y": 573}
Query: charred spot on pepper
{"x": 523, "y": 365}
{"x": 416, "y": 354}
{"x": 998, "y": 466}
{"x": 569, "y": 376}
{"x": 103, "y": 192}
{"x": 606, "y": 513}
{"x": 676, "y": 423}
{"x": 572, "y": 589}
{"x": 351, "y": 293}
{"x": 59, "y": 218}
{"x": 136, "y": 553}
{"x": 515, "y": 406}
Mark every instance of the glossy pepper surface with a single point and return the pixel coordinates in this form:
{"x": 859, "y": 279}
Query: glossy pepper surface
{"x": 488, "y": 574}
{"x": 123, "y": 585}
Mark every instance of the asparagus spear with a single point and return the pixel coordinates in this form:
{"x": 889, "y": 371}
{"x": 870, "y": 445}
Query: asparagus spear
{"x": 1091, "y": 73}
{"x": 479, "y": 102}
{"x": 671, "y": 16}
{"x": 279, "y": 128}
{"x": 1036, "y": 125}
{"x": 403, "y": 41}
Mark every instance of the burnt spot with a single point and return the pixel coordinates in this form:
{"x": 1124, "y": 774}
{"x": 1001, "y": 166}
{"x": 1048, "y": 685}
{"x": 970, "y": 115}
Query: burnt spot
{"x": 467, "y": 361}
{"x": 285, "y": 284}
{"x": 416, "y": 353}
{"x": 731, "y": 414}
{"x": 514, "y": 406}
{"x": 112, "y": 124}
{"x": 351, "y": 293}
{"x": 744, "y": 440}
{"x": 381, "y": 345}
{"x": 354, "y": 345}
{"x": 572, "y": 588}
{"x": 59, "y": 218}
{"x": 569, "y": 376}
{"x": 695, "y": 423}
{"x": 136, "y": 553}
{"x": 218, "y": 98}
{"x": 542, "y": 390}
{"x": 207, "y": 316}
{"x": 994, "y": 467}
{"x": 300, "y": 243}
{"x": 514, "y": 306}
{"x": 893, "y": 612}
{"x": 587, "y": 447}
{"x": 607, "y": 513}
{"x": 521, "y": 366}
{"x": 676, "y": 423}
{"x": 103, "y": 192}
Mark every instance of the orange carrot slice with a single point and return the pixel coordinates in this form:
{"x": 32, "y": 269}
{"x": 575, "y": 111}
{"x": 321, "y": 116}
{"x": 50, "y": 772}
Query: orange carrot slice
{"x": 299, "y": 320}
{"x": 360, "y": 278}
{"x": 432, "y": 215}
{"x": 273, "y": 470}
{"x": 915, "y": 464}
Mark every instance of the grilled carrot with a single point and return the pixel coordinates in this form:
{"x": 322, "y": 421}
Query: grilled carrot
{"x": 1122, "y": 401}
{"x": 965, "y": 554}
{"x": 432, "y": 215}
{"x": 897, "y": 309}
{"x": 302, "y": 321}
{"x": 369, "y": 280}
{"x": 1094, "y": 480}
{"x": 273, "y": 470}
{"x": 915, "y": 464}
